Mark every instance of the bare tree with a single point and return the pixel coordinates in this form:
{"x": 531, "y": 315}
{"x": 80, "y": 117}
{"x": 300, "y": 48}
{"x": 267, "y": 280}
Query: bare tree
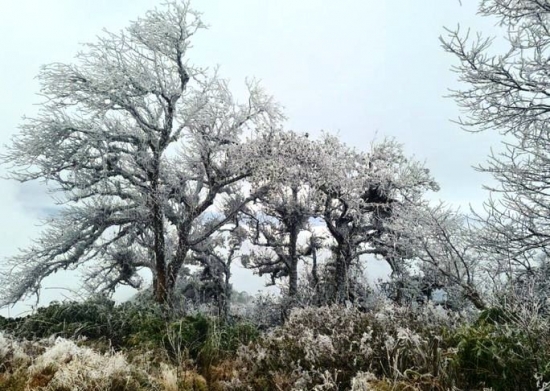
{"x": 442, "y": 241}
{"x": 508, "y": 92}
{"x": 140, "y": 146}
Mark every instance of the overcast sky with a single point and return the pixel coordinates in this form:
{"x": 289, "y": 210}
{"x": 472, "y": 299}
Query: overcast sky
{"x": 364, "y": 69}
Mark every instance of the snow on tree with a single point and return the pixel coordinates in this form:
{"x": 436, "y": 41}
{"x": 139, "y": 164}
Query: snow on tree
{"x": 507, "y": 91}
{"x": 352, "y": 192}
{"x": 281, "y": 214}
{"x": 141, "y": 148}
{"x": 442, "y": 243}
{"x": 359, "y": 192}
{"x": 216, "y": 255}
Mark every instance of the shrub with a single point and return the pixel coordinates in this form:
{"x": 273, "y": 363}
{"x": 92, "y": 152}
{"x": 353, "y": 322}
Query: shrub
{"x": 325, "y": 348}
{"x": 66, "y": 366}
{"x": 390, "y": 347}
{"x": 96, "y": 319}
{"x": 501, "y": 352}
{"x": 59, "y": 364}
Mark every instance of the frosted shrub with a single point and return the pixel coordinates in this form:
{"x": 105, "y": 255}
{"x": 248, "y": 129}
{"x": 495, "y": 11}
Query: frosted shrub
{"x": 174, "y": 379}
{"x": 68, "y": 366}
{"x": 169, "y": 377}
{"x": 13, "y": 352}
{"x": 362, "y": 381}
{"x": 507, "y": 348}
{"x": 264, "y": 311}
{"x": 62, "y": 351}
{"x": 58, "y": 364}
{"x": 318, "y": 347}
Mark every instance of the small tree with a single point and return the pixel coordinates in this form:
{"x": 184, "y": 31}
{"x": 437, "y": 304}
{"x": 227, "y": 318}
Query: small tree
{"x": 442, "y": 244}
{"x": 215, "y": 256}
{"x": 283, "y": 212}
{"x": 141, "y": 145}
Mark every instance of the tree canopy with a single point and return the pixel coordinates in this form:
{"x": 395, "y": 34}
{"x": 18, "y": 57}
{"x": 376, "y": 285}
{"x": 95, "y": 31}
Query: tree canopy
{"x": 156, "y": 166}
{"x": 142, "y": 149}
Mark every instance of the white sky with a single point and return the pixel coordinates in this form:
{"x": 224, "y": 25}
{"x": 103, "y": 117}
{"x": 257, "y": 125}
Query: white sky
{"x": 360, "y": 68}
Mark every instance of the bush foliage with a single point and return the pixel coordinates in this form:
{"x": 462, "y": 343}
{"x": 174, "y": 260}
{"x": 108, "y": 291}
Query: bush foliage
{"x": 100, "y": 345}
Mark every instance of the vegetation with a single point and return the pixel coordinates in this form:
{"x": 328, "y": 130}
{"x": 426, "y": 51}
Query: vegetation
{"x": 330, "y": 348}
{"x": 159, "y": 169}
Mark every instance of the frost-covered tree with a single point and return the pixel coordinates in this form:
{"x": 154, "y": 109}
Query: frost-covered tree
{"x": 359, "y": 193}
{"x": 283, "y": 212}
{"x": 505, "y": 88}
{"x": 142, "y": 149}
{"x": 531, "y": 286}
{"x": 215, "y": 256}
{"x": 442, "y": 245}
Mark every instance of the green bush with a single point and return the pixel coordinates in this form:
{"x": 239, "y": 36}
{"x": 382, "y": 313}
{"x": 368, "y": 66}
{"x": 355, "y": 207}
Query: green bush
{"x": 498, "y": 353}
{"x": 224, "y": 340}
{"x": 425, "y": 349}
{"x": 138, "y": 329}
{"x": 188, "y": 334}
{"x": 96, "y": 319}
{"x": 138, "y": 325}
{"x": 88, "y": 319}
{"x": 206, "y": 340}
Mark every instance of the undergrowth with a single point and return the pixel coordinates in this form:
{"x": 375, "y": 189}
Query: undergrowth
{"x": 96, "y": 345}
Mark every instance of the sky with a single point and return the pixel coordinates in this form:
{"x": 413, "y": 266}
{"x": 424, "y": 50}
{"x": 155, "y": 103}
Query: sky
{"x": 362, "y": 69}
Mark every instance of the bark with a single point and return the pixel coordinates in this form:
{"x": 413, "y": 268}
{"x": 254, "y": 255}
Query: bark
{"x": 341, "y": 278}
{"x": 315, "y": 275}
{"x": 473, "y": 296}
{"x": 177, "y": 263}
{"x": 225, "y": 299}
{"x": 343, "y": 255}
{"x": 293, "y": 262}
{"x": 161, "y": 288}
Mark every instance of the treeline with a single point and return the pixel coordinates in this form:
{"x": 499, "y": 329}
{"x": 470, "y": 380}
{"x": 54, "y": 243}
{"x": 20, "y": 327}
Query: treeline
{"x": 159, "y": 169}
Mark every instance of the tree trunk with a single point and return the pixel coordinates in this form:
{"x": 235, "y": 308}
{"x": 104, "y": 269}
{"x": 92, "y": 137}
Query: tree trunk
{"x": 225, "y": 299}
{"x": 161, "y": 288}
{"x": 178, "y": 261}
{"x": 160, "y": 285}
{"x": 293, "y": 266}
{"x": 315, "y": 277}
{"x": 341, "y": 278}
{"x": 473, "y": 296}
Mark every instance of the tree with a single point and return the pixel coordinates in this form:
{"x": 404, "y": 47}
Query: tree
{"x": 216, "y": 255}
{"x": 359, "y": 193}
{"x": 443, "y": 246}
{"x": 531, "y": 287}
{"x": 508, "y": 92}
{"x": 283, "y": 212}
{"x": 142, "y": 147}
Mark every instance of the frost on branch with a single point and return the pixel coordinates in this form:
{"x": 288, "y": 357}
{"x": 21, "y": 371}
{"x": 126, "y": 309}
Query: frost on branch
{"x": 505, "y": 89}
{"x": 281, "y": 216}
{"x": 359, "y": 193}
{"x": 139, "y": 146}
{"x": 333, "y": 347}
{"x": 442, "y": 243}
{"x": 352, "y": 193}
